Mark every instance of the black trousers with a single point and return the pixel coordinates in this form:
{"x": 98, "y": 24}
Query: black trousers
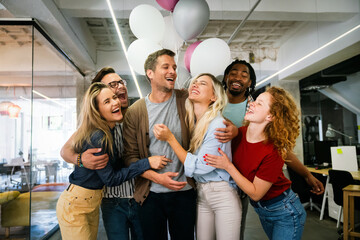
{"x": 175, "y": 209}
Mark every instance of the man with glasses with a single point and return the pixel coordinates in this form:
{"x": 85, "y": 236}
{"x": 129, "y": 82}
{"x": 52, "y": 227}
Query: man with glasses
{"x": 108, "y": 76}
{"x": 119, "y": 209}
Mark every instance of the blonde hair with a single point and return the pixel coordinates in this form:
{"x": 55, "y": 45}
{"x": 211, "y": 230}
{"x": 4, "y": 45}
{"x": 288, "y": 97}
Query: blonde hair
{"x": 199, "y": 128}
{"x": 90, "y": 120}
{"x": 283, "y": 130}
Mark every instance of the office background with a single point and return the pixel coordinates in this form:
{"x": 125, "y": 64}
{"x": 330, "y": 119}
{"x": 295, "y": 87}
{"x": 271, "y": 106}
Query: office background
{"x": 50, "y": 50}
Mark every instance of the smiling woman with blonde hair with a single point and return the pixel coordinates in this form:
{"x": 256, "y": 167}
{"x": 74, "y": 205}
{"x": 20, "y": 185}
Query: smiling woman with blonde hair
{"x": 77, "y": 209}
{"x": 218, "y": 204}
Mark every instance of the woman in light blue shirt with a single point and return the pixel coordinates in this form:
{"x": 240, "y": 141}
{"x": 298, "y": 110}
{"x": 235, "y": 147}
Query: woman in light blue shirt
{"x": 218, "y": 204}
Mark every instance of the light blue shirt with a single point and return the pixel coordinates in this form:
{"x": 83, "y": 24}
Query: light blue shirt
{"x": 196, "y": 167}
{"x": 235, "y": 112}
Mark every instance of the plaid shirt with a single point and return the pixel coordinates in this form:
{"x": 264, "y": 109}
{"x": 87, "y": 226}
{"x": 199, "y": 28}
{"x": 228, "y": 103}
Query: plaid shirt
{"x": 249, "y": 100}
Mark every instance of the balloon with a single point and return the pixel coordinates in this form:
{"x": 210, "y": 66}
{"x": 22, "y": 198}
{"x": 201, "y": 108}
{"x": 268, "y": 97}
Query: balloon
{"x": 138, "y": 52}
{"x": 220, "y": 77}
{"x": 147, "y": 22}
{"x": 171, "y": 39}
{"x": 191, "y": 17}
{"x": 211, "y": 56}
{"x": 183, "y": 77}
{"x": 167, "y": 4}
{"x": 188, "y": 54}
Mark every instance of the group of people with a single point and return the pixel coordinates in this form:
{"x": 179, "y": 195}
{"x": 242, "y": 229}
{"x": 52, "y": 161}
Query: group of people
{"x": 177, "y": 159}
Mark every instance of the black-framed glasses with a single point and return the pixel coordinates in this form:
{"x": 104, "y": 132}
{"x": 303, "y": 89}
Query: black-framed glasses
{"x": 115, "y": 84}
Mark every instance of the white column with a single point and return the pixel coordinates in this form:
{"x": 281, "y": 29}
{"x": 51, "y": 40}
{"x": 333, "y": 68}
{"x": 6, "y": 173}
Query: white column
{"x": 82, "y": 85}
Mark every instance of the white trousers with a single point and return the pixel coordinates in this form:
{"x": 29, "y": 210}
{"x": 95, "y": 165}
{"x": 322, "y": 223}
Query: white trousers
{"x": 218, "y": 212}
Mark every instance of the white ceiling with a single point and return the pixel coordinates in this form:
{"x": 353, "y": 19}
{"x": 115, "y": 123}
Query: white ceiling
{"x": 278, "y": 32}
{"x": 253, "y": 35}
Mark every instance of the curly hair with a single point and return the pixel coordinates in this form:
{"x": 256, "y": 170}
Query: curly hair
{"x": 283, "y": 130}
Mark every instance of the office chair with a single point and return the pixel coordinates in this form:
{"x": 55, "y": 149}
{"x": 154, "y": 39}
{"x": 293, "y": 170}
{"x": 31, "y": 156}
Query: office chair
{"x": 17, "y": 165}
{"x": 302, "y": 189}
{"x": 340, "y": 179}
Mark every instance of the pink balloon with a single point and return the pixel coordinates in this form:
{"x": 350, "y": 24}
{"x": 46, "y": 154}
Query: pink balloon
{"x": 167, "y": 4}
{"x": 188, "y": 54}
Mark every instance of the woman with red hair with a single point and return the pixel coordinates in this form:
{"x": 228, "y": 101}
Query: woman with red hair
{"x": 268, "y": 135}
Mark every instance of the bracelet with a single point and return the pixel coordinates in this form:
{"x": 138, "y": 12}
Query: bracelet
{"x": 79, "y": 162}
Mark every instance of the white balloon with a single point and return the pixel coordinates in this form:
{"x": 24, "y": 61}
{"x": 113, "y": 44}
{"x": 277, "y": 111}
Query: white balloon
{"x": 210, "y": 56}
{"x": 171, "y": 39}
{"x": 138, "y": 52}
{"x": 183, "y": 77}
{"x": 147, "y": 22}
{"x": 220, "y": 77}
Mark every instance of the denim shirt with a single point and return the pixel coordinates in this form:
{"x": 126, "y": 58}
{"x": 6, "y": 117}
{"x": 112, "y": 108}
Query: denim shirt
{"x": 196, "y": 167}
{"x": 96, "y": 179}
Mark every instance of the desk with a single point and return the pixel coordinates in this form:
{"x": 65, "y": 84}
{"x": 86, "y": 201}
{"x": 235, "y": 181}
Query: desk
{"x": 325, "y": 171}
{"x": 19, "y": 164}
{"x": 350, "y": 192}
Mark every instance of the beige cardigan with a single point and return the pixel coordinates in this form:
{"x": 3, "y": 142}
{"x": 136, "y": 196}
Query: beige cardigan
{"x": 137, "y": 141}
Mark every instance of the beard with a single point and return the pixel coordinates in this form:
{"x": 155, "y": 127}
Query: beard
{"x": 164, "y": 89}
{"x": 125, "y": 105}
{"x": 235, "y": 93}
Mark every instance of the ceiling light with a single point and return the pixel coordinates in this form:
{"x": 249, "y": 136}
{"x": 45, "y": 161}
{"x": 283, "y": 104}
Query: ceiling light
{"x": 24, "y": 98}
{"x": 308, "y": 55}
{"x": 123, "y": 45}
{"x": 50, "y": 99}
{"x": 314, "y": 87}
{"x": 4, "y": 106}
{"x": 14, "y": 111}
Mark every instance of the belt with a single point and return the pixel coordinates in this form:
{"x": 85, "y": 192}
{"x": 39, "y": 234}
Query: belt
{"x": 266, "y": 203}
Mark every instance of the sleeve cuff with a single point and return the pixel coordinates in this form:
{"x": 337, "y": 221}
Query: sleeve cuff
{"x": 144, "y": 164}
{"x": 189, "y": 165}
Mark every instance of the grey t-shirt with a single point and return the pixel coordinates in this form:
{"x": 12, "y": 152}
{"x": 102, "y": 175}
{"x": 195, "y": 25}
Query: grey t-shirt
{"x": 166, "y": 113}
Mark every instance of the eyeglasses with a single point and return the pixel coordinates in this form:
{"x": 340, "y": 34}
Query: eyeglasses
{"x": 115, "y": 84}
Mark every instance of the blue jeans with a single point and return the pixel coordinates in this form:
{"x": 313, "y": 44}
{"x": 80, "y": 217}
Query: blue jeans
{"x": 120, "y": 215}
{"x": 283, "y": 219}
{"x": 176, "y": 210}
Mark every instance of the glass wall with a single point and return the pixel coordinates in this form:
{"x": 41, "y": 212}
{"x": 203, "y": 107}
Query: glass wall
{"x": 318, "y": 114}
{"x": 37, "y": 115}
